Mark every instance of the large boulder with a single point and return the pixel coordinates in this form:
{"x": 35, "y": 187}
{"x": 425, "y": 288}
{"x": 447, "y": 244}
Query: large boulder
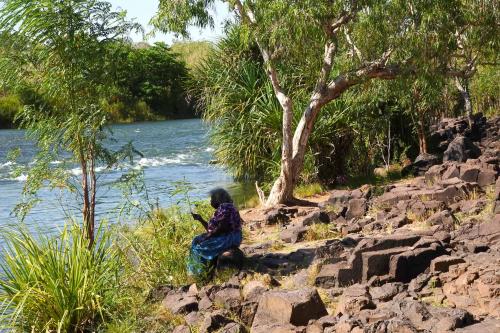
{"x": 406, "y": 266}
{"x": 461, "y": 149}
{"x": 295, "y": 307}
{"x": 357, "y": 208}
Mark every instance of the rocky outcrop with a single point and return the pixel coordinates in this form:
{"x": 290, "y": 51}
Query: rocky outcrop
{"x": 421, "y": 255}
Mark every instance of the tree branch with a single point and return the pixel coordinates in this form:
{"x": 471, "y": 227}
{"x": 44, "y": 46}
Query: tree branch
{"x": 352, "y": 45}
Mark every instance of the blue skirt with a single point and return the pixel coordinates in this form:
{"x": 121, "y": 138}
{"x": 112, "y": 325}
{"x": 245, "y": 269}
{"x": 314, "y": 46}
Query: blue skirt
{"x": 205, "y": 251}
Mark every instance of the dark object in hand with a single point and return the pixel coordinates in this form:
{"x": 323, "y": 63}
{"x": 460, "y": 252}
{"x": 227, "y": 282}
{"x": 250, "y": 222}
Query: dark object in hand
{"x": 197, "y": 217}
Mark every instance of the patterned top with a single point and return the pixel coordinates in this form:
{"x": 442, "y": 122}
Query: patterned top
{"x": 226, "y": 219}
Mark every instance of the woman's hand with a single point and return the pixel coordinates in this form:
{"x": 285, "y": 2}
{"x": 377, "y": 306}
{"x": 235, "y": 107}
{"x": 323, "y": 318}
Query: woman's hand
{"x": 198, "y": 217}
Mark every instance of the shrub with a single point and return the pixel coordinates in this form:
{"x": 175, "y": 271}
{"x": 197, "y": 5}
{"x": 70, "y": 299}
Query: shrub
{"x": 56, "y": 283}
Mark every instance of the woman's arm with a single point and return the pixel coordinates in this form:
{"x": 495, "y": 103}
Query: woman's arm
{"x": 198, "y": 217}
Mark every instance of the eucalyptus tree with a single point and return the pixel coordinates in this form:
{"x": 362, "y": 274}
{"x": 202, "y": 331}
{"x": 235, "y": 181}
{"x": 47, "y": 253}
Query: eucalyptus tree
{"x": 332, "y": 45}
{"x": 60, "y": 49}
{"x": 477, "y": 45}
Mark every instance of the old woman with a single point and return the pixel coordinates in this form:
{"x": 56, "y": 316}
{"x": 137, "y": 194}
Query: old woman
{"x": 223, "y": 232}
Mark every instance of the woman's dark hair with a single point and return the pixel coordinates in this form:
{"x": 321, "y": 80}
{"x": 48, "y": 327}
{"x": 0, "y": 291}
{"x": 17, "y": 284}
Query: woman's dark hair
{"x": 220, "y": 196}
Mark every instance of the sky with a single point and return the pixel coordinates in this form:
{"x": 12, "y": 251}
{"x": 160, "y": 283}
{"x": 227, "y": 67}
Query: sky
{"x": 143, "y": 10}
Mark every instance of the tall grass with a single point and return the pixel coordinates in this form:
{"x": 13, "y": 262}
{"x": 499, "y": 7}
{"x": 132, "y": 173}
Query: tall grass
{"x": 57, "y": 283}
{"x": 156, "y": 251}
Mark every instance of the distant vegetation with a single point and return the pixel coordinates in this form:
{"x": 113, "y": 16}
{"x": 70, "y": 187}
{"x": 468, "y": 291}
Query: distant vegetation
{"x": 192, "y": 52}
{"x": 149, "y": 83}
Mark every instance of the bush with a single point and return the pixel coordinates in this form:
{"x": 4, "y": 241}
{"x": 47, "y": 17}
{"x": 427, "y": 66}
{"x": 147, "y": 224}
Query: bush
{"x": 56, "y": 283}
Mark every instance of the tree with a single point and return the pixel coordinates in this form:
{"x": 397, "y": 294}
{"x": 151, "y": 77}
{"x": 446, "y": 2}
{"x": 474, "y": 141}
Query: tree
{"x": 336, "y": 44}
{"x": 154, "y": 75}
{"x": 477, "y": 41}
{"x": 67, "y": 60}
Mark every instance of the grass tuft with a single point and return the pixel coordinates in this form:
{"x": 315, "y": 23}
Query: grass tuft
{"x": 56, "y": 283}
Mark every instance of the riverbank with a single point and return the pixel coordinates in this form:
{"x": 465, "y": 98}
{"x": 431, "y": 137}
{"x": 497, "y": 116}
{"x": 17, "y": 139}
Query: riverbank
{"x": 420, "y": 254}
{"x": 409, "y": 255}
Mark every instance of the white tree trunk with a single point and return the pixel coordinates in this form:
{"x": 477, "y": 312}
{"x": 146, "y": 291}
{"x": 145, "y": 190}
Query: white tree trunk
{"x": 464, "y": 92}
{"x": 282, "y": 190}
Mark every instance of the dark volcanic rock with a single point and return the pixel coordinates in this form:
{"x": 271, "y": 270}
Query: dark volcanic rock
{"x": 406, "y": 266}
{"x": 461, "y": 149}
{"x": 289, "y": 307}
{"x": 233, "y": 258}
{"x": 356, "y": 208}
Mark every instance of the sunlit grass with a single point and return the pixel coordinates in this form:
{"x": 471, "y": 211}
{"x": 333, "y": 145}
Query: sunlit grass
{"x": 56, "y": 283}
{"x": 308, "y": 190}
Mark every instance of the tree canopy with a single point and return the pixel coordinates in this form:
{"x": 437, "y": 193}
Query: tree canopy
{"x": 328, "y": 47}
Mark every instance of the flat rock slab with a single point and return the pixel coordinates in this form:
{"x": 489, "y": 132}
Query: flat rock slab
{"x": 180, "y": 303}
{"x": 443, "y": 263}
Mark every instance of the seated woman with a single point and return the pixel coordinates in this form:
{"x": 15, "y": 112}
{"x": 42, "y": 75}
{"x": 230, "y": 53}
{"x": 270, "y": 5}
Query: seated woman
{"x": 223, "y": 233}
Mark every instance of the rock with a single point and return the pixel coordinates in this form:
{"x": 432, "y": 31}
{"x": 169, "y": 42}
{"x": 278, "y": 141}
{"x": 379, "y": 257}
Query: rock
{"x": 295, "y": 307}
{"x": 315, "y": 217}
{"x": 444, "y": 217}
{"x": 205, "y": 304}
{"x": 419, "y": 282}
{"x": 233, "y": 328}
{"x": 472, "y": 206}
{"x": 443, "y": 263}
{"x": 356, "y": 208}
{"x": 338, "y": 197}
{"x": 461, "y": 149}
{"x": 376, "y": 263}
{"x": 406, "y": 266}
{"x": 354, "y": 299}
{"x": 351, "y": 229}
{"x": 489, "y": 325}
{"x": 422, "y": 163}
{"x": 214, "y": 321}
{"x": 497, "y": 190}
{"x": 398, "y": 221}
{"x": 486, "y": 177}
{"x": 179, "y": 303}
{"x": 385, "y": 292}
{"x": 293, "y": 234}
{"x": 229, "y": 298}
{"x": 248, "y": 310}
{"x": 231, "y": 259}
{"x": 182, "y": 329}
{"x": 358, "y": 266}
{"x": 253, "y": 290}
{"x": 452, "y": 171}
{"x": 194, "y": 318}
{"x": 450, "y": 319}
{"x": 469, "y": 173}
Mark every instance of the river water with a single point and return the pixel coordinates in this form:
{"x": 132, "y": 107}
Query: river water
{"x": 173, "y": 151}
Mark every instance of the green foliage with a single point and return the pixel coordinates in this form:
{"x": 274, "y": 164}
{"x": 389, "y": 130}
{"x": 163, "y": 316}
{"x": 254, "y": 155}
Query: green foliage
{"x": 10, "y": 105}
{"x": 486, "y": 91}
{"x": 67, "y": 59}
{"x": 56, "y": 283}
{"x": 150, "y": 83}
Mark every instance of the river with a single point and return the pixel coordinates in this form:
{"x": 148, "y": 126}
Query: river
{"x": 172, "y": 151}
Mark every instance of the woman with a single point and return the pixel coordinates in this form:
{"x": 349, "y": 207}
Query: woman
{"x": 223, "y": 233}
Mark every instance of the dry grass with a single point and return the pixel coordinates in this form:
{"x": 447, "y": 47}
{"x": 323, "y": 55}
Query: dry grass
{"x": 320, "y": 231}
{"x": 330, "y": 303}
{"x": 312, "y": 273}
{"x": 308, "y": 190}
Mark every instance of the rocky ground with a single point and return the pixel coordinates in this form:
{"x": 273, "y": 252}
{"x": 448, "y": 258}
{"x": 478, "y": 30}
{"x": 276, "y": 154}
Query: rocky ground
{"x": 420, "y": 255}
